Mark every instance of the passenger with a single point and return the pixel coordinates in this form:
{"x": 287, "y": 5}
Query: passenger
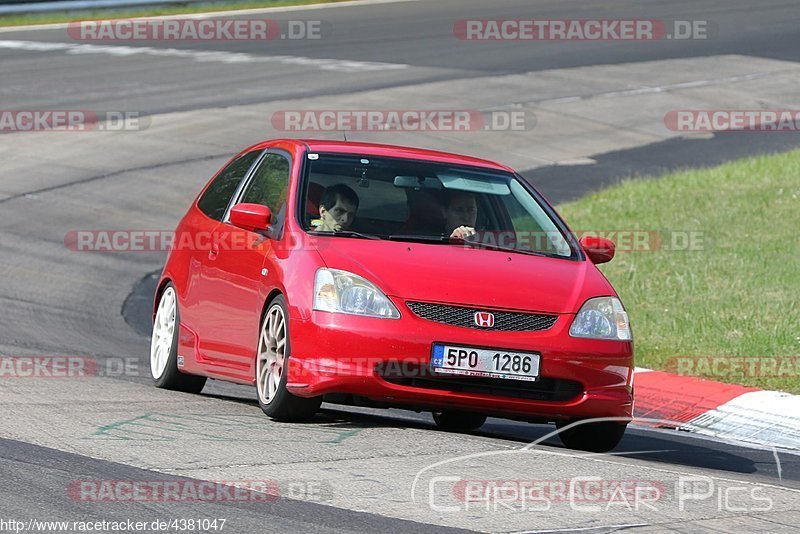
{"x": 461, "y": 213}
{"x": 337, "y": 208}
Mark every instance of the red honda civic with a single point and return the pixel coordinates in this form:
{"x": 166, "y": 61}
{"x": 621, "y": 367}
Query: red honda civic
{"x": 386, "y": 276}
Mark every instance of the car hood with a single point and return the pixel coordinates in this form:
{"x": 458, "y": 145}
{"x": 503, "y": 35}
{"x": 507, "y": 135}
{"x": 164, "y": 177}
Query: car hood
{"x": 469, "y": 276}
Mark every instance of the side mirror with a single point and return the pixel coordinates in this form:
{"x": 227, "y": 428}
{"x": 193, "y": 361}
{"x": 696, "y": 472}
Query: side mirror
{"x": 599, "y": 249}
{"x": 253, "y": 217}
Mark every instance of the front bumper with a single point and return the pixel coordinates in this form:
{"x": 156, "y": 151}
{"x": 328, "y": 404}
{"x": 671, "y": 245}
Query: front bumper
{"x": 387, "y": 362}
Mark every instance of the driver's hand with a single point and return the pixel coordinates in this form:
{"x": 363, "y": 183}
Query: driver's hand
{"x": 463, "y": 232}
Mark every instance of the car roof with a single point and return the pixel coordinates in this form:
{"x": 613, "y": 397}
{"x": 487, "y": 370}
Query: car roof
{"x": 374, "y": 149}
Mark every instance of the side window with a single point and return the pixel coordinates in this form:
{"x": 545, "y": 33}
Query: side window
{"x": 270, "y": 186}
{"x": 215, "y": 199}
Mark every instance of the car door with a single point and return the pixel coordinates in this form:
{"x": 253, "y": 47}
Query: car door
{"x": 194, "y": 236}
{"x": 239, "y": 270}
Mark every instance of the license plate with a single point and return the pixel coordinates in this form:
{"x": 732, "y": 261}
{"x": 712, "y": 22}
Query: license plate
{"x": 494, "y": 363}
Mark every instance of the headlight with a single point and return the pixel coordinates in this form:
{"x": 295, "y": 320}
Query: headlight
{"x": 601, "y": 318}
{"x": 343, "y": 292}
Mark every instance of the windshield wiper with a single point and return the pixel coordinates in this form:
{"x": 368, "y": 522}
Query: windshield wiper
{"x": 346, "y": 233}
{"x": 422, "y": 238}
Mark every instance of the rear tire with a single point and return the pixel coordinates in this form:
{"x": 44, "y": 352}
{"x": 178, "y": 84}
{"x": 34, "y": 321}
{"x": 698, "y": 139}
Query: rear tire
{"x": 272, "y": 364}
{"x": 164, "y": 347}
{"x": 592, "y": 437}
{"x": 459, "y": 421}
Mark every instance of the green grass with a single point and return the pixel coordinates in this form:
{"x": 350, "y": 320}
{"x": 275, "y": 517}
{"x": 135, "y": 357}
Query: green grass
{"x": 147, "y": 11}
{"x": 738, "y": 295}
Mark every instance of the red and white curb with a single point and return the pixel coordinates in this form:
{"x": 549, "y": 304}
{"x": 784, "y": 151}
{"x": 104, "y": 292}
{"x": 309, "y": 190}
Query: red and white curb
{"x": 726, "y": 411}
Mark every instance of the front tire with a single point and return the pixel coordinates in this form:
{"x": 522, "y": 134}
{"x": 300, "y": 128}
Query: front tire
{"x": 272, "y": 359}
{"x": 592, "y": 437}
{"x": 164, "y": 347}
{"x": 459, "y": 421}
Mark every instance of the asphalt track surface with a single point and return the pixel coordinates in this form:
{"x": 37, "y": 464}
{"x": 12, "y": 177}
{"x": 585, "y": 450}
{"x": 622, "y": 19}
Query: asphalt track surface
{"x": 419, "y": 34}
{"x": 54, "y": 301}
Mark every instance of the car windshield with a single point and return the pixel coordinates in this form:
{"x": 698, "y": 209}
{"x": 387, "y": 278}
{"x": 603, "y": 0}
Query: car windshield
{"x": 412, "y": 200}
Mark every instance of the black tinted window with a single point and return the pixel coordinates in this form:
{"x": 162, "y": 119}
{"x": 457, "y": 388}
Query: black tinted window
{"x": 216, "y": 198}
{"x": 269, "y": 187}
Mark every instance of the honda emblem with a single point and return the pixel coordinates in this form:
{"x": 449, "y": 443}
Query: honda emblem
{"x": 484, "y": 319}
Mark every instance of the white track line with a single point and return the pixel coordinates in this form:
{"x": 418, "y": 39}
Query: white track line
{"x": 649, "y": 90}
{"x": 234, "y": 13}
{"x": 341, "y": 65}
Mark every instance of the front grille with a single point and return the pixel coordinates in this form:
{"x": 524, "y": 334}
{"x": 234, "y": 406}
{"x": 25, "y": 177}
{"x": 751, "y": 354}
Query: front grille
{"x": 543, "y": 389}
{"x": 465, "y": 317}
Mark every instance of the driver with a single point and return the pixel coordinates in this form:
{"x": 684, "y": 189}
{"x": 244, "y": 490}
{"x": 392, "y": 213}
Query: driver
{"x": 337, "y": 208}
{"x": 461, "y": 213}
